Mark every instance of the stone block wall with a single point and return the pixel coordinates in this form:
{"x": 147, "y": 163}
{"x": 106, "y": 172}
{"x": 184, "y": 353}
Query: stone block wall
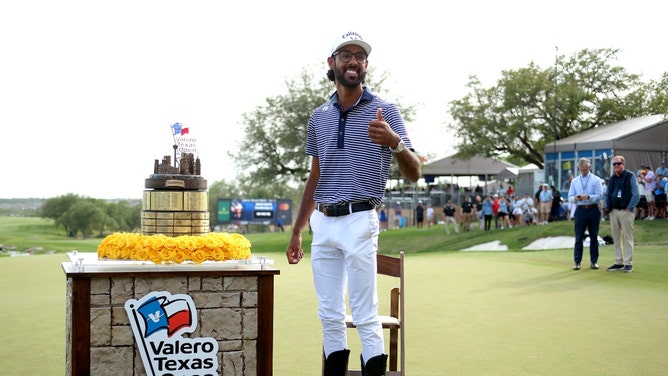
{"x": 226, "y": 311}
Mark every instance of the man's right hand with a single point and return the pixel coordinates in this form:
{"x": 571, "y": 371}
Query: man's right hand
{"x": 295, "y": 252}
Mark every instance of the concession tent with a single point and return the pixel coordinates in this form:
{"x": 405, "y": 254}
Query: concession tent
{"x": 476, "y": 166}
{"x": 481, "y": 167}
{"x": 528, "y": 179}
{"x": 642, "y": 140}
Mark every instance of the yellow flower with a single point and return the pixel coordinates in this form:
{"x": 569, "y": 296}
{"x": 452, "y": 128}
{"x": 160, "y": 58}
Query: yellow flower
{"x": 164, "y": 249}
{"x": 199, "y": 256}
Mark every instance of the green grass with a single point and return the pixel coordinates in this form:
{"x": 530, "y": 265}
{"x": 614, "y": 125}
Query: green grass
{"x": 29, "y": 232}
{"x": 468, "y": 313}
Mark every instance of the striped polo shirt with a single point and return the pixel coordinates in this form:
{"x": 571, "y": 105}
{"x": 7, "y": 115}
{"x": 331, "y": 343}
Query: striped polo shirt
{"x": 352, "y": 168}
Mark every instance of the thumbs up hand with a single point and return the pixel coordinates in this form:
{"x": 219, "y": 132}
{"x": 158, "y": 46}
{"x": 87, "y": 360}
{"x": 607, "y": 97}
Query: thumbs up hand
{"x": 379, "y": 114}
{"x": 380, "y": 132}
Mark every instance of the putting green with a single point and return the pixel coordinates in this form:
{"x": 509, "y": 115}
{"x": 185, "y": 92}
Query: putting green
{"x": 468, "y": 313}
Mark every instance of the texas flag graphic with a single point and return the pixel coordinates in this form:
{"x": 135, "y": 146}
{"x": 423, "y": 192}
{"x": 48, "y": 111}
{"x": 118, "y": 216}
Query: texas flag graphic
{"x": 160, "y": 313}
{"x": 179, "y": 129}
{"x": 159, "y": 320}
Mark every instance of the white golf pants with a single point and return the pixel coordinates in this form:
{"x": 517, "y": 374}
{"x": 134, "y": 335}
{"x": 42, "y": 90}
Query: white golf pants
{"x": 343, "y": 254}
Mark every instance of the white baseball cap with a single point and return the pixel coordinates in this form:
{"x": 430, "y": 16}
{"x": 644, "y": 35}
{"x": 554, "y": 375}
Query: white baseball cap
{"x": 349, "y": 38}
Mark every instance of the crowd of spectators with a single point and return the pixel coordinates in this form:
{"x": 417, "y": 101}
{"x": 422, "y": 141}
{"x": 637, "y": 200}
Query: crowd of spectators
{"x": 504, "y": 208}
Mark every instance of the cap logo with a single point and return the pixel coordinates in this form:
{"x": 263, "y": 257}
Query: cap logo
{"x": 352, "y": 36}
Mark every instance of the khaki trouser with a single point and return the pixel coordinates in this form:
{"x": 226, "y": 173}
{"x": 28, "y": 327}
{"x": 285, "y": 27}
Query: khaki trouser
{"x": 621, "y": 224}
{"x": 449, "y": 220}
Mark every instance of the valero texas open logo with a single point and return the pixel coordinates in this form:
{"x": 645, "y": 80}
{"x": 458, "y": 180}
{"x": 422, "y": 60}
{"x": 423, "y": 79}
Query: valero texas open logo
{"x": 158, "y": 322}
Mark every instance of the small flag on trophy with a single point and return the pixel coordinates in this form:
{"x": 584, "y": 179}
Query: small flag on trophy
{"x": 179, "y": 129}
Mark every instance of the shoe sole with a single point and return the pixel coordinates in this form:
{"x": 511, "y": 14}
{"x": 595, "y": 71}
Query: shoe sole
{"x": 614, "y": 270}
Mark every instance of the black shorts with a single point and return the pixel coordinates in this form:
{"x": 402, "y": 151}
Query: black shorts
{"x": 642, "y": 203}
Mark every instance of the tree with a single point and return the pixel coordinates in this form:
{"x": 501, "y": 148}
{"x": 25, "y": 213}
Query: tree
{"x": 531, "y": 107}
{"x": 55, "y": 208}
{"x": 85, "y": 216}
{"x": 122, "y": 216}
{"x": 72, "y": 211}
{"x": 272, "y": 152}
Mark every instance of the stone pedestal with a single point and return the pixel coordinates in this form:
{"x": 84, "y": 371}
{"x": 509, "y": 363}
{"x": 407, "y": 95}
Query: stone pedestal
{"x": 234, "y": 305}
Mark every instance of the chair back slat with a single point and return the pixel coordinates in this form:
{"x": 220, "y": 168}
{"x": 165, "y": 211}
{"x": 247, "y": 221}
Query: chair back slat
{"x": 387, "y": 265}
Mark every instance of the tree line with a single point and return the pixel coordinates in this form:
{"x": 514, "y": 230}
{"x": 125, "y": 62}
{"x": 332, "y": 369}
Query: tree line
{"x": 88, "y": 217}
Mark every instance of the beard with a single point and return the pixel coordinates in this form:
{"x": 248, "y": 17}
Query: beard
{"x": 340, "y": 75}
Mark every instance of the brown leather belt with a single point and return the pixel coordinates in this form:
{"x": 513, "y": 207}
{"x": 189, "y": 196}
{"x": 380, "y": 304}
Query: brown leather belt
{"x": 588, "y": 206}
{"x": 343, "y": 209}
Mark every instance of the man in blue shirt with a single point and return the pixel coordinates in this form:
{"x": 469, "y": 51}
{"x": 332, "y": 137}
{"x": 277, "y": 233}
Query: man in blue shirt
{"x": 352, "y": 140}
{"x": 585, "y": 192}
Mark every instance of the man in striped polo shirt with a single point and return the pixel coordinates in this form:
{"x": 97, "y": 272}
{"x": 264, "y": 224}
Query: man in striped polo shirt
{"x": 351, "y": 139}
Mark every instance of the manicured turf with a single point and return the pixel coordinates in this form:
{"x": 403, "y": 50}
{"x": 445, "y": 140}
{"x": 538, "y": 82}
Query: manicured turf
{"x": 468, "y": 313}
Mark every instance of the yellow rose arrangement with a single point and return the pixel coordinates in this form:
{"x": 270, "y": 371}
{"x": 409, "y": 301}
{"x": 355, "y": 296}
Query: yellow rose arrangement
{"x": 164, "y": 249}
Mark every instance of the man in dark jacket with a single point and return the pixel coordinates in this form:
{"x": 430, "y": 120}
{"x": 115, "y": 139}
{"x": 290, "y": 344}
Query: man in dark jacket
{"x": 621, "y": 202}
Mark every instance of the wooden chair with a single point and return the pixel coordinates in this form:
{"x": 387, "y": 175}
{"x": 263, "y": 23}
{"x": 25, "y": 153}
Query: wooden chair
{"x": 393, "y": 267}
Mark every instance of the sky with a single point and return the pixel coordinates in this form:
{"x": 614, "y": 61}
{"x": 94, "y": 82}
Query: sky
{"x": 89, "y": 89}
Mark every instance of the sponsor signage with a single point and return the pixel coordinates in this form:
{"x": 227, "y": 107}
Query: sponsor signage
{"x": 254, "y": 211}
{"x": 158, "y": 322}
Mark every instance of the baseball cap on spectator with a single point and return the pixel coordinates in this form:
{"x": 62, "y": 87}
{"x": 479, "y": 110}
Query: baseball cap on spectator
{"x": 662, "y": 162}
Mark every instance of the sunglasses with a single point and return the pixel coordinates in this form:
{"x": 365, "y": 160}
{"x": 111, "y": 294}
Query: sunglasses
{"x": 617, "y": 163}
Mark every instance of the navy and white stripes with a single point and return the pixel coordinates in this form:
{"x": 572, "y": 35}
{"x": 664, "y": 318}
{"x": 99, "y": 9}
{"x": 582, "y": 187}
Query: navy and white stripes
{"x": 352, "y": 168}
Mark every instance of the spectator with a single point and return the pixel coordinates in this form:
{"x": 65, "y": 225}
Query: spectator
{"x": 504, "y": 215}
{"x": 468, "y": 212}
{"x": 430, "y": 215}
{"x": 495, "y": 210}
{"x": 478, "y": 210}
{"x": 517, "y": 212}
{"x": 660, "y": 196}
{"x": 449, "y": 217}
{"x": 510, "y": 191}
{"x": 537, "y": 198}
{"x": 641, "y": 208}
{"x": 662, "y": 169}
{"x": 585, "y": 192}
{"x": 604, "y": 197}
{"x": 382, "y": 218}
{"x": 419, "y": 215}
{"x": 555, "y": 205}
{"x": 502, "y": 191}
{"x": 545, "y": 198}
{"x": 531, "y": 216}
{"x": 622, "y": 200}
{"x": 650, "y": 186}
{"x": 487, "y": 212}
{"x": 397, "y": 214}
